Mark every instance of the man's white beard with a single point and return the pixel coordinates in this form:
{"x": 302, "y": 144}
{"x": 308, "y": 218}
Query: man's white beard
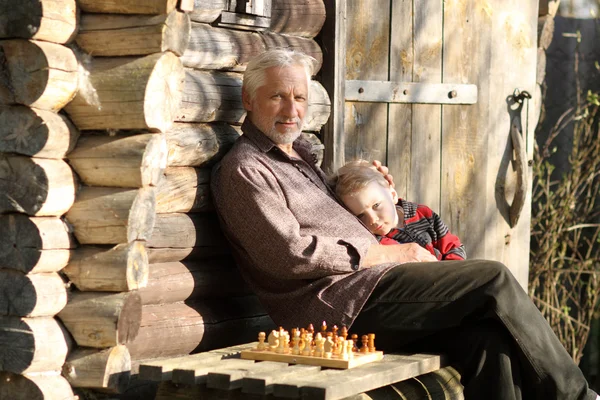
{"x": 277, "y": 137}
{"x": 283, "y": 138}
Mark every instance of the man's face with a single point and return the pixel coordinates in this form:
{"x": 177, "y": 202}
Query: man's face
{"x": 279, "y": 106}
{"x": 375, "y": 206}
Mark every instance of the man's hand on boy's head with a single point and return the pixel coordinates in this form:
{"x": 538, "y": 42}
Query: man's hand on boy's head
{"x": 385, "y": 172}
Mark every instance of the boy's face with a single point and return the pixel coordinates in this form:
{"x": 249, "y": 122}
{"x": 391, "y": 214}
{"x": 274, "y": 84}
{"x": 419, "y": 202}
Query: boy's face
{"x": 375, "y": 206}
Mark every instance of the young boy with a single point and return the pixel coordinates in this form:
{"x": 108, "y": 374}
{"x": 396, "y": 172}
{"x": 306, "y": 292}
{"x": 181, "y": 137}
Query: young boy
{"x": 367, "y": 194}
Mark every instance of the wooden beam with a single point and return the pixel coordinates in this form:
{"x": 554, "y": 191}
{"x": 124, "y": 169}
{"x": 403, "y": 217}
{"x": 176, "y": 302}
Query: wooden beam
{"x": 121, "y": 268}
{"x": 37, "y": 74}
{"x": 48, "y": 20}
{"x": 297, "y": 18}
{"x": 168, "y": 254}
{"x": 120, "y": 160}
{"x": 393, "y": 368}
{"x": 35, "y": 186}
{"x": 219, "y": 48}
{"x": 333, "y": 76}
{"x": 34, "y": 387}
{"x": 128, "y": 93}
{"x": 199, "y": 145}
{"x": 97, "y": 319}
{"x": 29, "y": 345}
{"x": 409, "y": 92}
{"x": 180, "y": 230}
{"x": 183, "y": 328}
{"x": 31, "y": 295}
{"x": 107, "y": 370}
{"x": 128, "y": 6}
{"x": 112, "y": 215}
{"x": 186, "y": 5}
{"x": 36, "y": 133}
{"x": 184, "y": 189}
{"x": 192, "y": 280}
{"x": 38, "y": 244}
{"x": 208, "y": 10}
{"x": 127, "y": 35}
{"x": 160, "y": 370}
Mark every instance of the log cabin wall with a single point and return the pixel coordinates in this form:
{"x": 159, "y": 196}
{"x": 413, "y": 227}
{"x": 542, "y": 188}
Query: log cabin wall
{"x": 39, "y": 76}
{"x": 151, "y": 93}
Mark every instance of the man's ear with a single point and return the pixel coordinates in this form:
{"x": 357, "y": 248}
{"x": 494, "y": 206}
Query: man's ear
{"x": 394, "y": 194}
{"x": 246, "y": 100}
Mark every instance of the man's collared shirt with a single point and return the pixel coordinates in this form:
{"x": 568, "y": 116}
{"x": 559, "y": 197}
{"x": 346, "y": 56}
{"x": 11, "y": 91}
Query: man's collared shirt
{"x": 299, "y": 250}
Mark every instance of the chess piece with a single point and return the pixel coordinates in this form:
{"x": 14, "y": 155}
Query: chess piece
{"x": 335, "y": 330}
{"x": 344, "y": 349}
{"x": 311, "y": 329}
{"x": 295, "y": 341}
{"x": 344, "y": 332}
{"x": 319, "y": 341}
{"x": 365, "y": 347}
{"x": 328, "y": 347}
{"x": 349, "y": 351}
{"x": 354, "y": 339}
{"x": 261, "y": 341}
{"x": 273, "y": 340}
{"x": 324, "y": 328}
{"x": 340, "y": 345}
{"x": 371, "y": 342}
{"x": 282, "y": 345}
{"x": 307, "y": 345}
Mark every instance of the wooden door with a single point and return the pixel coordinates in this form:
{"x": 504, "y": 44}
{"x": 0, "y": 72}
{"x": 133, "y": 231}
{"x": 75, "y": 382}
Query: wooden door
{"x": 456, "y": 158}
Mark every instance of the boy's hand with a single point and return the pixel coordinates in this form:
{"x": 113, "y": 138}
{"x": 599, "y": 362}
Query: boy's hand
{"x": 396, "y": 253}
{"x": 385, "y": 172}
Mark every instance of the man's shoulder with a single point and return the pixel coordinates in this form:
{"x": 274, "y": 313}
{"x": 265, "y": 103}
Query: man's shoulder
{"x": 243, "y": 154}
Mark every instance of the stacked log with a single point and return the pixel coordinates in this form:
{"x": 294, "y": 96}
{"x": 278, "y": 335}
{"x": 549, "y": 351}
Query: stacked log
{"x": 37, "y": 187}
{"x": 157, "y": 102}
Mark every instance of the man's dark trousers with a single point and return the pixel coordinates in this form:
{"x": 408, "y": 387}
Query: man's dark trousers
{"x": 477, "y": 314}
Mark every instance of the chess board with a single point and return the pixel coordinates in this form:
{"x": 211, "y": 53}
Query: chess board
{"x": 333, "y": 362}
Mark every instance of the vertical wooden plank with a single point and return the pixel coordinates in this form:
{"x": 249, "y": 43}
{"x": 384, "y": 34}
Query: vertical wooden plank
{"x": 424, "y": 185}
{"x": 333, "y": 79}
{"x": 400, "y": 115}
{"x": 492, "y": 45}
{"x": 367, "y": 49}
{"x": 466, "y": 129}
{"x": 513, "y": 65}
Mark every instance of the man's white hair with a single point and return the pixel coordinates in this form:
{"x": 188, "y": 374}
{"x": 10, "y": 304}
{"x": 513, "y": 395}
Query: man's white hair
{"x": 254, "y": 76}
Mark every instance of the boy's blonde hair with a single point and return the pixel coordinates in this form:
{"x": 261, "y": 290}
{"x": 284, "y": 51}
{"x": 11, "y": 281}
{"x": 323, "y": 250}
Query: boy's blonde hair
{"x": 355, "y": 176}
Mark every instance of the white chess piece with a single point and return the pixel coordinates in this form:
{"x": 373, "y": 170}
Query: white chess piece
{"x": 319, "y": 340}
{"x": 328, "y": 347}
{"x": 273, "y": 340}
{"x": 307, "y": 345}
{"x": 261, "y": 341}
{"x": 296, "y": 343}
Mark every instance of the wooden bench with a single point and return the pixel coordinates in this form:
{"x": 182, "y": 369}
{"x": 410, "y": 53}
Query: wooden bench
{"x": 222, "y": 374}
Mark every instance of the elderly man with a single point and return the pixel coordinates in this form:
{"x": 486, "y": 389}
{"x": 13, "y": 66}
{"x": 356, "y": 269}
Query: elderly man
{"x": 308, "y": 259}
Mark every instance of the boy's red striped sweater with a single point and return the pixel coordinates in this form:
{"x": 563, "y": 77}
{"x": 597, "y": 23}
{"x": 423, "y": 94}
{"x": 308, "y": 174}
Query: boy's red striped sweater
{"x": 423, "y": 226}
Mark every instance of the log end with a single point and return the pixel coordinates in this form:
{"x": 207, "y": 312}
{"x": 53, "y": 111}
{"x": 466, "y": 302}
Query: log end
{"x": 42, "y": 75}
{"x": 106, "y": 370}
{"x": 164, "y": 92}
{"x": 177, "y": 33}
{"x": 33, "y": 295}
{"x": 38, "y": 387}
{"x": 142, "y": 215}
{"x": 130, "y": 319}
{"x": 137, "y": 266}
{"x": 154, "y": 160}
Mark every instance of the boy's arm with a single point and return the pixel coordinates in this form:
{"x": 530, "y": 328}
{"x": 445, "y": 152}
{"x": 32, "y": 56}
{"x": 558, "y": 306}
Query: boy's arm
{"x": 447, "y": 243}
